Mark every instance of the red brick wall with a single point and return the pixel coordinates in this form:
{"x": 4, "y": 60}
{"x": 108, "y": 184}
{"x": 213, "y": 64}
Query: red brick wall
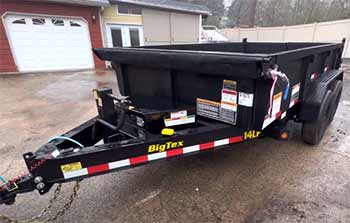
{"x": 7, "y": 63}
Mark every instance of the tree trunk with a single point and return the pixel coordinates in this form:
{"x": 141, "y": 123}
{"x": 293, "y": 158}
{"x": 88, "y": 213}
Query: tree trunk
{"x": 252, "y": 12}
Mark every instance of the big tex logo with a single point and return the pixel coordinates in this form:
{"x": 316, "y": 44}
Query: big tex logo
{"x": 166, "y": 146}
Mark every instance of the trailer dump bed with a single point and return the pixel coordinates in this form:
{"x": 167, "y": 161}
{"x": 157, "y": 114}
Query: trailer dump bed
{"x": 182, "y": 100}
{"x": 226, "y": 81}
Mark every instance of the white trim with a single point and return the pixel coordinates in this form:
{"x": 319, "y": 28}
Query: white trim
{"x": 9, "y": 39}
{"x": 165, "y": 8}
{"x": 103, "y": 34}
{"x": 7, "y": 13}
{"x": 43, "y": 15}
{"x": 125, "y": 28}
{"x": 200, "y": 29}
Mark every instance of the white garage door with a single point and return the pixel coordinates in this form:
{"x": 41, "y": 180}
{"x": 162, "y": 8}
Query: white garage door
{"x": 49, "y": 43}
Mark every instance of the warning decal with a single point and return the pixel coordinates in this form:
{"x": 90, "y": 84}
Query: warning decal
{"x": 179, "y": 114}
{"x": 276, "y": 105}
{"x": 209, "y": 109}
{"x": 230, "y": 85}
{"x": 275, "y": 111}
{"x": 226, "y": 110}
{"x": 71, "y": 167}
{"x": 246, "y": 99}
{"x": 180, "y": 121}
{"x": 229, "y": 97}
{"x": 179, "y": 118}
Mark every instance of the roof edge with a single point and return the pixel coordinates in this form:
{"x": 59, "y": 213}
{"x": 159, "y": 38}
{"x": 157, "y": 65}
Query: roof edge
{"x": 172, "y": 8}
{"x": 77, "y": 2}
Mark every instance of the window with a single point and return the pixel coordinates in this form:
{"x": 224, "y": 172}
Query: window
{"x": 123, "y": 9}
{"x": 19, "y": 21}
{"x": 134, "y": 37}
{"x": 39, "y": 21}
{"x": 57, "y": 22}
{"x": 117, "y": 37}
{"x": 74, "y": 24}
{"x": 129, "y": 9}
{"x": 135, "y": 11}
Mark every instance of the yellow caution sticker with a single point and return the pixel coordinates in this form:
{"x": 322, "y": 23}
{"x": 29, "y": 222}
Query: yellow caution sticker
{"x": 71, "y": 167}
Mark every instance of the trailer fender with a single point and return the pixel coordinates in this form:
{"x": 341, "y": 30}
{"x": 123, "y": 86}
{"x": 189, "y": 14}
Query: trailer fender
{"x": 313, "y": 131}
{"x": 337, "y": 89}
{"x": 315, "y": 92}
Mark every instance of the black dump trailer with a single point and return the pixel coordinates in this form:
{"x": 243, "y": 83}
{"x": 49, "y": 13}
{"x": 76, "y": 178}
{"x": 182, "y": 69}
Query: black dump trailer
{"x": 182, "y": 100}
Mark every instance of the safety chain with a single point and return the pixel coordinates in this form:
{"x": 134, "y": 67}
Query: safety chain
{"x": 60, "y": 213}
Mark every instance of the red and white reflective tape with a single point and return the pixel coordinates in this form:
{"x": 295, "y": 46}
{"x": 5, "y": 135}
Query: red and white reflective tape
{"x": 314, "y": 76}
{"x": 293, "y": 102}
{"x": 268, "y": 120}
{"x": 295, "y": 95}
{"x": 150, "y": 157}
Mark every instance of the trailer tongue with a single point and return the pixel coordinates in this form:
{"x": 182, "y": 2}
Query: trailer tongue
{"x": 188, "y": 99}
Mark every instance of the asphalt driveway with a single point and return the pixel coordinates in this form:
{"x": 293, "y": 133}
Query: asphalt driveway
{"x": 263, "y": 181}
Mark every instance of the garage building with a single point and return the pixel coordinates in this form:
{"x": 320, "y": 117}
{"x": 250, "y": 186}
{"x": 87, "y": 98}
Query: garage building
{"x": 49, "y": 35}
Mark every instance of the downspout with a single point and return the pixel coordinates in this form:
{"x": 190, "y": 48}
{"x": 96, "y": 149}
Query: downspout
{"x": 103, "y": 30}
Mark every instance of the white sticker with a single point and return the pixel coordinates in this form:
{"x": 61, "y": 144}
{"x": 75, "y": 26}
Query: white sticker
{"x": 178, "y": 114}
{"x": 277, "y": 102}
{"x": 209, "y": 109}
{"x": 229, "y": 106}
{"x": 245, "y": 99}
{"x": 180, "y": 121}
{"x": 229, "y": 96}
{"x": 55, "y": 153}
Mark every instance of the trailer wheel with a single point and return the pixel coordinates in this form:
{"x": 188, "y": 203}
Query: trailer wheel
{"x": 313, "y": 132}
{"x": 337, "y": 89}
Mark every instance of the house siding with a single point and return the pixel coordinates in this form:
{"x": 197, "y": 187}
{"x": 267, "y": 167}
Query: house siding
{"x": 159, "y": 26}
{"x": 7, "y": 63}
{"x": 111, "y": 15}
{"x": 164, "y": 27}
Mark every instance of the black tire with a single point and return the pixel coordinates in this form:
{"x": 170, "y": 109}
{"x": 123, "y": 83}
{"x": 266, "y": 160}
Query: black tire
{"x": 337, "y": 89}
{"x": 313, "y": 132}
